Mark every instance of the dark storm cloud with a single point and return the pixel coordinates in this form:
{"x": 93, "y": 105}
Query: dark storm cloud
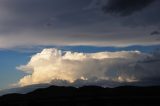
{"x": 125, "y": 7}
{"x": 38, "y": 13}
{"x": 76, "y": 22}
{"x": 155, "y": 33}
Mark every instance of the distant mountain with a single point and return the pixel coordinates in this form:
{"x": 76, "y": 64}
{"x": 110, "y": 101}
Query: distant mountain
{"x": 23, "y": 90}
{"x": 85, "y": 96}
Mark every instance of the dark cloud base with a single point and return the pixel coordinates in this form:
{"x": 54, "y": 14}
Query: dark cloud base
{"x": 125, "y": 7}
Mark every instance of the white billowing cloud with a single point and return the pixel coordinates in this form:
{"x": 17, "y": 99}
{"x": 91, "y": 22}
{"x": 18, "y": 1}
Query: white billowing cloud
{"x": 63, "y": 67}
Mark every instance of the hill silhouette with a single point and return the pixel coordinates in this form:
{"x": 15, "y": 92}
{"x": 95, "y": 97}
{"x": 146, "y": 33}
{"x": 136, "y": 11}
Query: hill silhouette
{"x": 85, "y": 96}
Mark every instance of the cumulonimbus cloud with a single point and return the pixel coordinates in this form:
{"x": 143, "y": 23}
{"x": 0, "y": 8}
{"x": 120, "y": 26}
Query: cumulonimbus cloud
{"x": 66, "y": 67}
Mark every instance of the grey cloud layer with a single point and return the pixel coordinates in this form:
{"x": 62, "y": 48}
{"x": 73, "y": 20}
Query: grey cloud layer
{"x": 76, "y": 22}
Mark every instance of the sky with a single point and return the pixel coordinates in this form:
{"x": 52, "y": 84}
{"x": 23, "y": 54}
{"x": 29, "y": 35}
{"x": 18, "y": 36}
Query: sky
{"x": 79, "y": 42}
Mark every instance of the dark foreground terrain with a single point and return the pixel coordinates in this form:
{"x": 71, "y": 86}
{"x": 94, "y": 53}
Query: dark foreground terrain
{"x": 85, "y": 96}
